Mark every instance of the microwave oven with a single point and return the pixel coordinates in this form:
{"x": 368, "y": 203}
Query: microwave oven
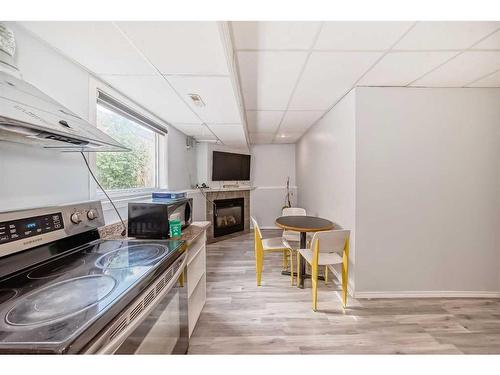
{"x": 150, "y": 219}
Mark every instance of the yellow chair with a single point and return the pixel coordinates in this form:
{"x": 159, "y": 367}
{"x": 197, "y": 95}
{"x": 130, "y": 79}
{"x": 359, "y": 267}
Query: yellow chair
{"x": 267, "y": 245}
{"x": 325, "y": 249}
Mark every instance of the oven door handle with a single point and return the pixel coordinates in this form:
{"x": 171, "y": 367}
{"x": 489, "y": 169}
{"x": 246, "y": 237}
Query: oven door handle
{"x": 113, "y": 345}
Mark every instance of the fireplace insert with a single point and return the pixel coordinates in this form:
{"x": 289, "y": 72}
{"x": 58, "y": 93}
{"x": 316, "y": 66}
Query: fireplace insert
{"x": 228, "y": 216}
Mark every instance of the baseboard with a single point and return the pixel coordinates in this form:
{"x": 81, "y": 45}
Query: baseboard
{"x": 429, "y": 294}
{"x": 350, "y": 283}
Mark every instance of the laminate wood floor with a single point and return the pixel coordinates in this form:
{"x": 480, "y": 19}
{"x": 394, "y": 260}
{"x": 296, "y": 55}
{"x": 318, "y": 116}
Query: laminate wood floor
{"x": 276, "y": 318}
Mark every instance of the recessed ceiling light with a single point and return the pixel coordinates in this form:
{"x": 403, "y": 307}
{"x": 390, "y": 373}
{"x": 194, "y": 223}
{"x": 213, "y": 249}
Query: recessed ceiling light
{"x": 197, "y": 100}
{"x": 282, "y": 136}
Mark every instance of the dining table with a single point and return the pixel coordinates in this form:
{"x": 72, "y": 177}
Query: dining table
{"x": 304, "y": 225}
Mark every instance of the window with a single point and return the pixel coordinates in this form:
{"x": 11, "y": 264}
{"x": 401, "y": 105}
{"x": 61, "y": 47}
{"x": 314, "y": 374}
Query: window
{"x": 139, "y": 168}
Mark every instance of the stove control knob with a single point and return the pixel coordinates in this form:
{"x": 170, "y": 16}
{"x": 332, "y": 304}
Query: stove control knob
{"x": 75, "y": 218}
{"x": 92, "y": 214}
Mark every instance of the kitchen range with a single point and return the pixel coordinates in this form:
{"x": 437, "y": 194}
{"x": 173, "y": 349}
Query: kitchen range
{"x": 63, "y": 289}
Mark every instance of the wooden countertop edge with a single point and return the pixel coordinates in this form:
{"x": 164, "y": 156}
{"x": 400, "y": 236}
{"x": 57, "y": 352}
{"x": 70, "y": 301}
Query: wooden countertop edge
{"x": 189, "y": 235}
{"x": 202, "y": 226}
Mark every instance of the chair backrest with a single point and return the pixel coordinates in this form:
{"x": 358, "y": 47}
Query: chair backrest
{"x": 256, "y": 227}
{"x": 332, "y": 241}
{"x": 293, "y": 211}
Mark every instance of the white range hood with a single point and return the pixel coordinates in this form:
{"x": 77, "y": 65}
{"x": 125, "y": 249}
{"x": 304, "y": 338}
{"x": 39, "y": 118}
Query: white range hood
{"x": 29, "y": 116}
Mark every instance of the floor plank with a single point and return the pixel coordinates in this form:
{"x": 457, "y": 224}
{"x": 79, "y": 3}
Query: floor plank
{"x": 276, "y": 318}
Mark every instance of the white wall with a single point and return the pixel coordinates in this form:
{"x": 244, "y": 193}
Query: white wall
{"x": 35, "y": 177}
{"x": 428, "y": 190}
{"x": 271, "y": 165}
{"x": 326, "y": 169}
{"x": 181, "y": 161}
{"x": 269, "y": 168}
{"x": 416, "y": 173}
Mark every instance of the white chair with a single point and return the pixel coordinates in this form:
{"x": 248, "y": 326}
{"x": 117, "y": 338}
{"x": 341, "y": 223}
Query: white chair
{"x": 327, "y": 248}
{"x": 291, "y": 238}
{"x": 268, "y": 245}
{"x": 290, "y": 235}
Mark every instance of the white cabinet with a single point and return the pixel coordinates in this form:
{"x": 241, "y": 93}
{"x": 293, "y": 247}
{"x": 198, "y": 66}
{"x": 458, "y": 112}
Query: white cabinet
{"x": 196, "y": 280}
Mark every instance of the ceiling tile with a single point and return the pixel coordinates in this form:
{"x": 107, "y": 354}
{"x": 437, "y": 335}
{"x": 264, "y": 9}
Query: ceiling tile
{"x": 358, "y": 35}
{"x": 175, "y": 47}
{"x": 200, "y": 132}
{"x": 445, "y": 35}
{"x": 261, "y": 138}
{"x": 299, "y": 121}
{"x": 217, "y": 94}
{"x": 155, "y": 94}
{"x": 263, "y": 121}
{"x": 229, "y": 133}
{"x": 274, "y": 34}
{"x": 462, "y": 70}
{"x": 98, "y": 46}
{"x": 327, "y": 76}
{"x": 492, "y": 42}
{"x": 287, "y": 137}
{"x": 402, "y": 68}
{"x": 268, "y": 78}
{"x": 492, "y": 80}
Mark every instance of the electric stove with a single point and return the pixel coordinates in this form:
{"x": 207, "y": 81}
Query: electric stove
{"x": 59, "y": 295}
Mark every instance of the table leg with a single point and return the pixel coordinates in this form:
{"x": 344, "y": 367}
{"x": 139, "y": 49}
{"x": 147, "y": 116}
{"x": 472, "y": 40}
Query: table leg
{"x": 302, "y": 270}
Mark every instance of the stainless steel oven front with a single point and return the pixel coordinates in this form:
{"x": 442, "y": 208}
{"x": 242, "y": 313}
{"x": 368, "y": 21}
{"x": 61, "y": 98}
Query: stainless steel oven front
{"x": 155, "y": 323}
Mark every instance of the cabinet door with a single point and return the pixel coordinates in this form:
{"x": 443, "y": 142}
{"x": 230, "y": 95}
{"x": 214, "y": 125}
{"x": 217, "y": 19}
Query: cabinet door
{"x": 196, "y": 269}
{"x": 196, "y": 303}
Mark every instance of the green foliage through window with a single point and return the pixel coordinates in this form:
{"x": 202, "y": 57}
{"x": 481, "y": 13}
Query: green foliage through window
{"x": 126, "y": 170}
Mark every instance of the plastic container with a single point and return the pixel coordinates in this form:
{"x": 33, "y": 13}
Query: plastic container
{"x": 168, "y": 195}
{"x": 175, "y": 228}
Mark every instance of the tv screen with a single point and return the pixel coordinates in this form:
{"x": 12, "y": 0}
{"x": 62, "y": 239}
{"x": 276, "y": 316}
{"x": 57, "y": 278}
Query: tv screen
{"x": 227, "y": 166}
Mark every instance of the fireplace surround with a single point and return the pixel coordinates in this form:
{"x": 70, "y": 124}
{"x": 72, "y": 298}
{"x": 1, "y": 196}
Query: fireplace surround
{"x": 227, "y": 194}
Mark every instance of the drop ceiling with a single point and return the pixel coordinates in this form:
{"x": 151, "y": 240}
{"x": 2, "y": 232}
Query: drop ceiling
{"x": 290, "y": 73}
{"x": 158, "y": 65}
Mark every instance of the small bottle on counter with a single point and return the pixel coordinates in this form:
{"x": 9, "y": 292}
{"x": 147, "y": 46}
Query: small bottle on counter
{"x": 175, "y": 228}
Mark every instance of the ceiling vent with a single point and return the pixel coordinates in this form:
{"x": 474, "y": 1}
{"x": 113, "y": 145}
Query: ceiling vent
{"x": 197, "y": 100}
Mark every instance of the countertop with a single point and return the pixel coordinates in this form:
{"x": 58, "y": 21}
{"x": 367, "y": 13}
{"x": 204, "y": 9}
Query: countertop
{"x": 189, "y": 234}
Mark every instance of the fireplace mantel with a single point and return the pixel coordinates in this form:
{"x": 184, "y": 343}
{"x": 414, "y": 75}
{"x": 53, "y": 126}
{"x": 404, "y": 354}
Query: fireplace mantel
{"x": 217, "y": 189}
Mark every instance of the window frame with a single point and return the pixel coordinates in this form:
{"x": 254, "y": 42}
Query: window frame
{"x": 121, "y": 197}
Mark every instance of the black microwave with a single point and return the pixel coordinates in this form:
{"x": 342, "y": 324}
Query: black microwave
{"x": 151, "y": 219}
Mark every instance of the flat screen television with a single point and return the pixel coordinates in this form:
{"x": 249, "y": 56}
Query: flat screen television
{"x": 227, "y": 166}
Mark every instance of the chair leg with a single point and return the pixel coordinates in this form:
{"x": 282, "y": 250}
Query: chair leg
{"x": 298, "y": 269}
{"x": 283, "y": 262}
{"x": 314, "y": 282}
{"x": 291, "y": 266}
{"x": 345, "y": 274}
{"x": 344, "y": 286}
{"x": 182, "y": 277}
{"x": 259, "y": 261}
{"x": 326, "y": 275}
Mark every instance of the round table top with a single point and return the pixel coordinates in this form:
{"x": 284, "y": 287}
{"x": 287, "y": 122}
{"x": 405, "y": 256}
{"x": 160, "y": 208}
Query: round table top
{"x": 304, "y": 223}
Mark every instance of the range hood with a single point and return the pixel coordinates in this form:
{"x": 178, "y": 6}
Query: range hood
{"x": 29, "y": 116}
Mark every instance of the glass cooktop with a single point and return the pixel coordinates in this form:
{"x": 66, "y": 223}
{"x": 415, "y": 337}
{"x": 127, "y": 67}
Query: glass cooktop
{"x": 48, "y": 307}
